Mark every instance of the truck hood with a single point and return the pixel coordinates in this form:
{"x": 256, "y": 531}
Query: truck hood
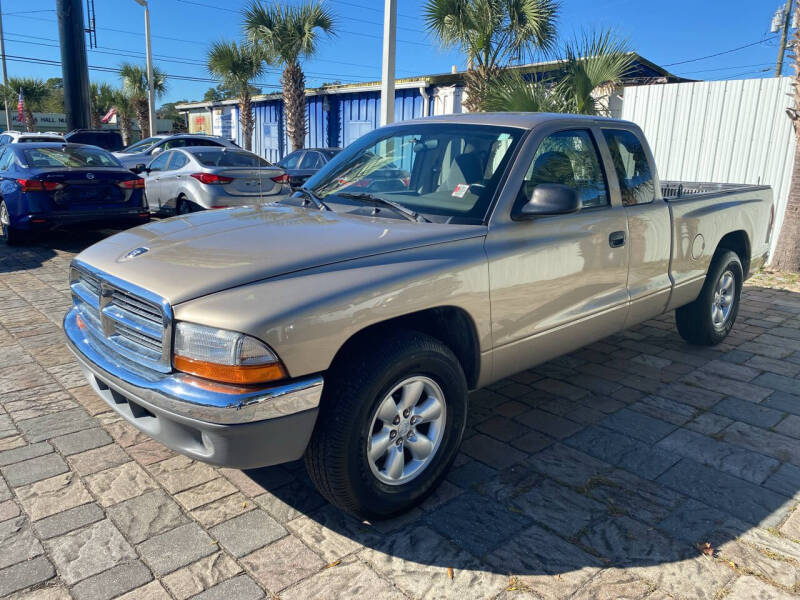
{"x": 205, "y": 252}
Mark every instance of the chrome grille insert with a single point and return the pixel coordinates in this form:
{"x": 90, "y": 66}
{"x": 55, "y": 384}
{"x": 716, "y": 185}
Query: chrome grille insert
{"x": 128, "y": 320}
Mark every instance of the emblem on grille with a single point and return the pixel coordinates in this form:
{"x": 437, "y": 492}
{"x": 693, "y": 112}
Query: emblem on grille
{"x": 90, "y": 176}
{"x": 136, "y": 252}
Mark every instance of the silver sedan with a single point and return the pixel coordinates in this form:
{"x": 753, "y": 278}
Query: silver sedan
{"x": 186, "y": 180}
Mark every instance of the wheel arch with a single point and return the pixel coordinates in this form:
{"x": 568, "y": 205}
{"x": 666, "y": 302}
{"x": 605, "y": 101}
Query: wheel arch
{"x": 737, "y": 242}
{"x": 451, "y": 325}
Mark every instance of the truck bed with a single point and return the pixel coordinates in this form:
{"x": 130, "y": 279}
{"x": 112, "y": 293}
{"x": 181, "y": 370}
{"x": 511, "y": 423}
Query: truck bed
{"x": 684, "y": 190}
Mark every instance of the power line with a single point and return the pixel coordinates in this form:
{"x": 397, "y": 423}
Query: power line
{"x": 683, "y": 62}
{"x": 726, "y": 68}
{"x": 747, "y": 73}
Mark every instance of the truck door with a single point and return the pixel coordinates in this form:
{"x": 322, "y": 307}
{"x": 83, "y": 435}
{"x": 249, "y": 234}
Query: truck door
{"x": 649, "y": 226}
{"x": 557, "y": 282}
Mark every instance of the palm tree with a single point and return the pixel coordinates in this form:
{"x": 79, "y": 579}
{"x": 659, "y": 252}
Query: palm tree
{"x": 101, "y": 99}
{"x": 237, "y": 65}
{"x": 286, "y": 35}
{"x": 134, "y": 81}
{"x": 34, "y": 94}
{"x": 124, "y": 107}
{"x": 591, "y": 64}
{"x": 787, "y": 252}
{"x": 491, "y": 33}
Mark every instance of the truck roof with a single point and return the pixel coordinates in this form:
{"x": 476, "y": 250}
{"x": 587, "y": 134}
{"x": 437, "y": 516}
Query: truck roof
{"x": 524, "y": 120}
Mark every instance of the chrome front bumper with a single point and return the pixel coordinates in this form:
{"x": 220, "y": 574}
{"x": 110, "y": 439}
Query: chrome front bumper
{"x": 225, "y": 425}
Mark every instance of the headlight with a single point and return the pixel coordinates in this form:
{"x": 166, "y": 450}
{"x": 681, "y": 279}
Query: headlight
{"x": 225, "y": 356}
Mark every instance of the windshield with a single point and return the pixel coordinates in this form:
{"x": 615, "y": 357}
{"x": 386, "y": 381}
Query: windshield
{"x": 229, "y": 158}
{"x": 445, "y": 171}
{"x": 141, "y": 146}
{"x": 84, "y": 156}
{"x": 29, "y": 140}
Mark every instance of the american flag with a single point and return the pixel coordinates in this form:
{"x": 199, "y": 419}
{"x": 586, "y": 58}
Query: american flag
{"x": 21, "y": 107}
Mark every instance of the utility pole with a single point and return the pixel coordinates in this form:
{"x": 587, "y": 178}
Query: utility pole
{"x": 151, "y": 97}
{"x": 787, "y": 19}
{"x": 74, "y": 66}
{"x": 387, "y": 69}
{"x": 5, "y": 75}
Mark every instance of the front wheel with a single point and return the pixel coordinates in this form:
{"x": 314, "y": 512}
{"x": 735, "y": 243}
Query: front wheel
{"x": 389, "y": 426}
{"x": 709, "y": 319}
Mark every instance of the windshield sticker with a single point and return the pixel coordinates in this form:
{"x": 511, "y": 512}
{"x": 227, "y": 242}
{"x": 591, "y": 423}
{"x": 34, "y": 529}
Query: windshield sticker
{"x": 460, "y": 190}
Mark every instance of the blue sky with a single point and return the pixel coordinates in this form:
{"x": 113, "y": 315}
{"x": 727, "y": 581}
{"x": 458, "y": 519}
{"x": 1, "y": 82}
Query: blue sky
{"x": 667, "y": 33}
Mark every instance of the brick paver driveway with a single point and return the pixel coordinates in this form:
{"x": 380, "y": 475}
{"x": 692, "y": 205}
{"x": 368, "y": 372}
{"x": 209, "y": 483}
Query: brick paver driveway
{"x": 598, "y": 475}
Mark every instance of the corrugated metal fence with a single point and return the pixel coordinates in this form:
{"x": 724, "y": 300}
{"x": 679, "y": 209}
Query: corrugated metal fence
{"x": 721, "y": 131}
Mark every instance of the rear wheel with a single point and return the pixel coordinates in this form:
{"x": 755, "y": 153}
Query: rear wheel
{"x": 187, "y": 206}
{"x": 709, "y": 319}
{"x": 11, "y": 235}
{"x": 389, "y": 426}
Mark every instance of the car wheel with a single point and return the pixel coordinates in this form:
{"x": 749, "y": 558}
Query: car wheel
{"x": 11, "y": 236}
{"x": 389, "y": 426}
{"x": 186, "y": 206}
{"x": 709, "y": 319}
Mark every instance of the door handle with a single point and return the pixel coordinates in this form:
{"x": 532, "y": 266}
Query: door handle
{"x": 616, "y": 239}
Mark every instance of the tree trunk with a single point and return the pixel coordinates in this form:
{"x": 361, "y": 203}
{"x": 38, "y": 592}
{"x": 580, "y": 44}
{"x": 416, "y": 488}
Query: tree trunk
{"x": 477, "y": 82}
{"x": 96, "y": 124}
{"x": 787, "y": 252}
{"x": 142, "y": 111}
{"x": 246, "y": 120}
{"x": 30, "y": 122}
{"x": 294, "y": 103}
{"x": 124, "y": 123}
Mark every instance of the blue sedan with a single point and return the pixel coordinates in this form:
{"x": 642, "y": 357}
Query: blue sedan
{"x": 47, "y": 185}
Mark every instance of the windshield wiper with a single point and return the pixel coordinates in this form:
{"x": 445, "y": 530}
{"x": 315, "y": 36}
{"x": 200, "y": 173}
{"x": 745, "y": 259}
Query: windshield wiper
{"x": 314, "y": 198}
{"x": 406, "y": 212}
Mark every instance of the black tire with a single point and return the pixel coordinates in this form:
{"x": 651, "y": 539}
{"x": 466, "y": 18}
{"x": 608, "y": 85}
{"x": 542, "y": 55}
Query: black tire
{"x": 694, "y": 321}
{"x": 185, "y": 207}
{"x": 11, "y": 236}
{"x": 336, "y": 457}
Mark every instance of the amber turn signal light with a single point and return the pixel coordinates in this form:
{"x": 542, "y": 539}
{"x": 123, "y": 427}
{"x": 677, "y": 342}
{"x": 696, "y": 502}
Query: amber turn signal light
{"x": 240, "y": 374}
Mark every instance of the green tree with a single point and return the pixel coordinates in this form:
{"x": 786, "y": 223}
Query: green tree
{"x": 287, "y": 35}
{"x": 134, "y": 82}
{"x": 237, "y": 65}
{"x": 168, "y": 111}
{"x": 101, "y": 99}
{"x": 590, "y": 65}
{"x": 35, "y": 94}
{"x": 491, "y": 33}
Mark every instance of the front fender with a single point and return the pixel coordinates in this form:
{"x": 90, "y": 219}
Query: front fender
{"x": 306, "y": 317}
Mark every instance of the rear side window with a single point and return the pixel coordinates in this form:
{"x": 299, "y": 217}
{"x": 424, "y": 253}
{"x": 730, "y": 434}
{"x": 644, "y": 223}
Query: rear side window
{"x": 290, "y": 161}
{"x": 6, "y": 160}
{"x": 569, "y": 158}
{"x": 312, "y": 160}
{"x": 632, "y": 167}
{"x": 78, "y": 156}
{"x": 178, "y": 161}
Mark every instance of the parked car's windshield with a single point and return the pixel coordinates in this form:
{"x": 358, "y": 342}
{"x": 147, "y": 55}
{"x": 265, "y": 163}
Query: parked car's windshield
{"x": 33, "y": 140}
{"x": 141, "y": 146}
{"x": 85, "y": 156}
{"x": 229, "y": 158}
{"x": 444, "y": 171}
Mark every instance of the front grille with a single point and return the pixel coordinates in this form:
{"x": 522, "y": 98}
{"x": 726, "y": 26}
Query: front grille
{"x": 131, "y": 322}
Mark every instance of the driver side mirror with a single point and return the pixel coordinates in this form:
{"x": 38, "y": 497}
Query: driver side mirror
{"x": 156, "y": 150}
{"x": 140, "y": 168}
{"x": 550, "y": 199}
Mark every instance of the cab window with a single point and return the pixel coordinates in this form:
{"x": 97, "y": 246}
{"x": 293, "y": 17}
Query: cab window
{"x": 569, "y": 158}
{"x": 632, "y": 167}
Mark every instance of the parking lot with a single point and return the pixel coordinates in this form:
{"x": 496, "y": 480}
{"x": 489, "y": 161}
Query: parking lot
{"x": 637, "y": 467}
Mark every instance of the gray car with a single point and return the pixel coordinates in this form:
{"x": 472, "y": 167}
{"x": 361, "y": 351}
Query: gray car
{"x": 143, "y": 151}
{"x": 186, "y": 180}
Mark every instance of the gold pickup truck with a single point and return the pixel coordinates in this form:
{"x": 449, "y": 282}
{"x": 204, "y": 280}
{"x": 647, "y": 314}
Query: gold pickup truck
{"x": 347, "y": 323}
